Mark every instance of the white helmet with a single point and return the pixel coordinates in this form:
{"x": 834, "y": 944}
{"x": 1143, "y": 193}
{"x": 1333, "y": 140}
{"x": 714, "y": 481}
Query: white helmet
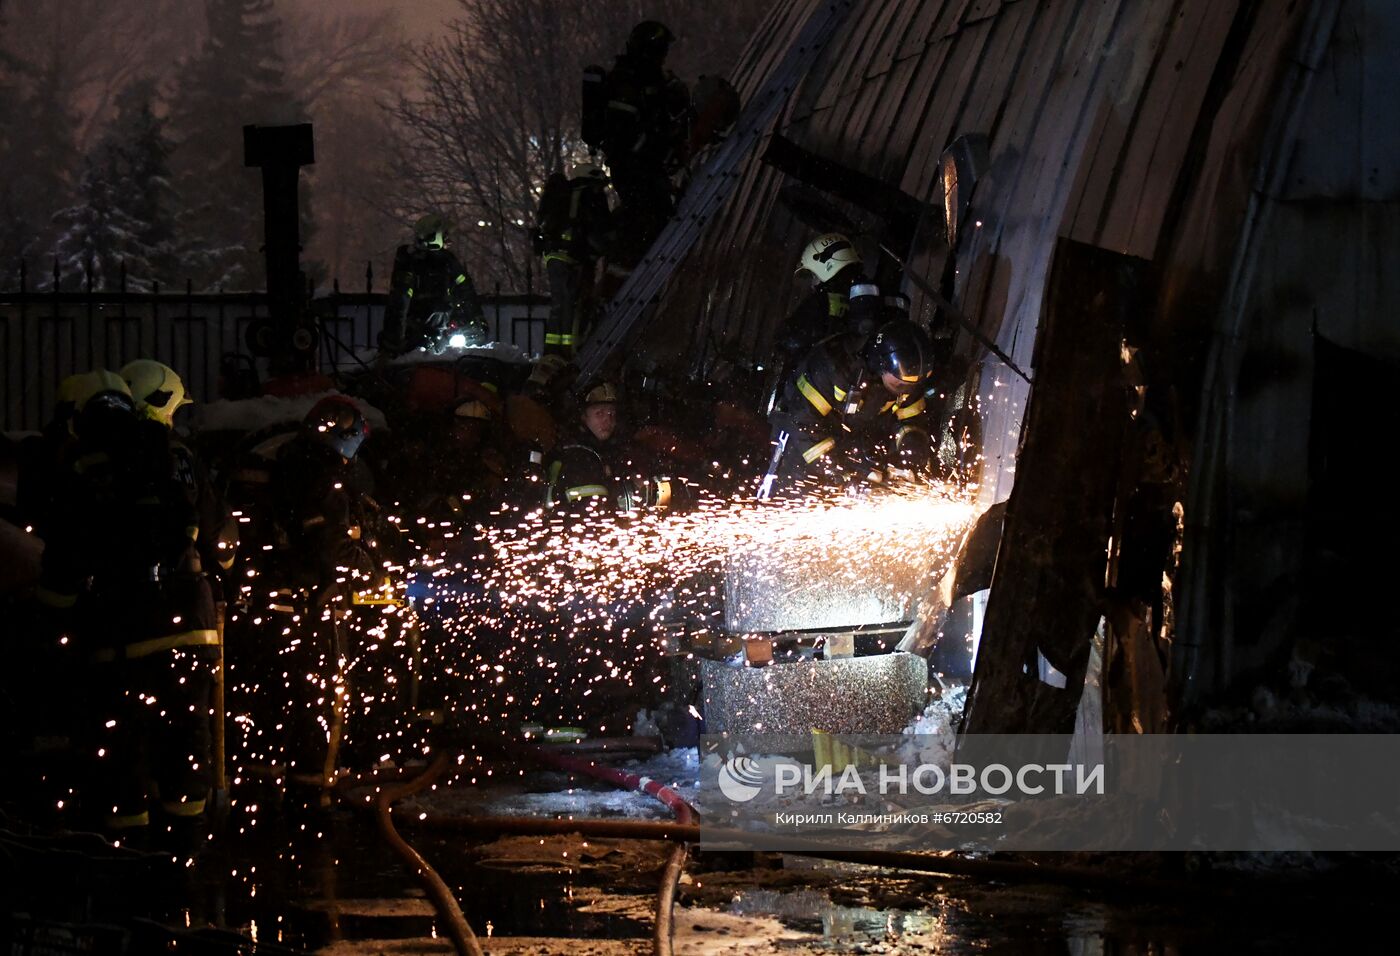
{"x": 827, "y": 255}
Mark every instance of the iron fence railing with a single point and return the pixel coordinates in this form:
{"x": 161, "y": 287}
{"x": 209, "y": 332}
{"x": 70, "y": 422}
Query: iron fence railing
{"x": 46, "y": 335}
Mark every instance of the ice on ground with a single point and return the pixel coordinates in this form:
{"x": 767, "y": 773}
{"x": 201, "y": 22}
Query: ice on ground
{"x": 578, "y": 796}
{"x": 934, "y": 736}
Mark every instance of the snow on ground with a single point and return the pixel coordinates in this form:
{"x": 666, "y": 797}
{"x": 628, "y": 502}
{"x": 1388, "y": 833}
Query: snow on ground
{"x": 499, "y": 351}
{"x": 251, "y": 414}
{"x": 1303, "y": 711}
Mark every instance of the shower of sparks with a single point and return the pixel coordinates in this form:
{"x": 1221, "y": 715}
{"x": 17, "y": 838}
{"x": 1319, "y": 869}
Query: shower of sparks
{"x": 526, "y": 618}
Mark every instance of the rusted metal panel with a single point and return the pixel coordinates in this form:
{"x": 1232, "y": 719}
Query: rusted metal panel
{"x": 1042, "y": 139}
{"x": 875, "y": 57}
{"x": 875, "y": 694}
{"x": 1001, "y": 69}
{"x": 928, "y": 28}
{"x": 924, "y": 89}
{"x": 856, "y": 40}
{"x": 765, "y": 50}
{"x": 1351, "y": 271}
{"x": 957, "y": 71}
{"x": 1045, "y": 596}
{"x": 1231, "y": 213}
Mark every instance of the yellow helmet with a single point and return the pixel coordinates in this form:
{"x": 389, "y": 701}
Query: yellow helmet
{"x": 601, "y": 393}
{"x": 98, "y": 382}
{"x": 431, "y": 231}
{"x": 473, "y": 408}
{"x": 546, "y": 369}
{"x": 157, "y": 391}
{"x": 827, "y": 255}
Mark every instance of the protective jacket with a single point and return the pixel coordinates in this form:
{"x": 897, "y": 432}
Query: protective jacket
{"x": 836, "y": 421}
{"x": 575, "y": 228}
{"x": 430, "y": 292}
{"x": 647, "y": 115}
{"x": 575, "y": 223}
{"x": 582, "y": 471}
{"x": 830, "y": 309}
{"x": 124, "y": 550}
{"x": 320, "y": 503}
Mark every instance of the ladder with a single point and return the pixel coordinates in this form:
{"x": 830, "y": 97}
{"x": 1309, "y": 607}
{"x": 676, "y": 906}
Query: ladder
{"x": 707, "y": 193}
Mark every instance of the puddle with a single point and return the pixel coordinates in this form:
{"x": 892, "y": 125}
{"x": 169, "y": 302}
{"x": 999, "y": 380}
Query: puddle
{"x": 307, "y": 885}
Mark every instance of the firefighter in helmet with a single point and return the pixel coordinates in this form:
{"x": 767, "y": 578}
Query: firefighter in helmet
{"x": 842, "y": 299}
{"x": 123, "y": 563}
{"x": 853, "y": 411}
{"x": 595, "y": 467}
{"x": 432, "y": 301}
{"x": 587, "y": 464}
{"x": 309, "y": 553}
{"x": 158, "y": 393}
{"x": 573, "y": 231}
{"x": 639, "y": 116}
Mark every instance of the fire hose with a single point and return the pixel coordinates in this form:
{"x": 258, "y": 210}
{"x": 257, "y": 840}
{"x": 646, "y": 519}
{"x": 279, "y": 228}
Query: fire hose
{"x": 685, "y": 816}
{"x": 459, "y": 931}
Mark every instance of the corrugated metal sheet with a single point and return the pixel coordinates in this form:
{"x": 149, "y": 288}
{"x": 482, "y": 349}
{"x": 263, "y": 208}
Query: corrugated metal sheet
{"x": 1133, "y": 125}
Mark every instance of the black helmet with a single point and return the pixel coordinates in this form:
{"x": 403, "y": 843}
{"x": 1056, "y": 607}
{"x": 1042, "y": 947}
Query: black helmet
{"x": 650, "y": 39}
{"x": 337, "y": 422}
{"x": 901, "y": 349}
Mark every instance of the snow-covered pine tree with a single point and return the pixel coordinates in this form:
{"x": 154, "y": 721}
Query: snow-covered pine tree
{"x": 237, "y": 78}
{"x": 125, "y": 203}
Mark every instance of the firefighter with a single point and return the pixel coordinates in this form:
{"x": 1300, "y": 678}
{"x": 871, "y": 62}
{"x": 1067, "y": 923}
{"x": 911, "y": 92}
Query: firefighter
{"x": 453, "y": 464}
{"x": 853, "y": 411}
{"x": 639, "y": 115}
{"x": 122, "y": 565}
{"x": 586, "y": 467}
{"x": 158, "y": 393}
{"x": 841, "y": 300}
{"x": 432, "y": 301}
{"x": 309, "y": 498}
{"x": 41, "y": 456}
{"x": 574, "y": 229}
{"x": 594, "y": 467}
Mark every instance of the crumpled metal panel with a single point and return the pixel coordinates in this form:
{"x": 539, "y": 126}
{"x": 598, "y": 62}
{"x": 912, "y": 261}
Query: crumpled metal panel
{"x": 877, "y": 694}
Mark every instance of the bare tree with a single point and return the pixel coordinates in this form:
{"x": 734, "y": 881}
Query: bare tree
{"x": 103, "y": 46}
{"x": 346, "y": 68}
{"x": 499, "y": 108}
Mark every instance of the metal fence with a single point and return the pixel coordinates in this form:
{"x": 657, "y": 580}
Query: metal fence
{"x": 48, "y": 335}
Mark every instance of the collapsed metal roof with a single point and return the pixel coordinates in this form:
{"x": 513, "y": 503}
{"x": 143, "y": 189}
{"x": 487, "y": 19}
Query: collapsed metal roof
{"x": 1246, "y": 150}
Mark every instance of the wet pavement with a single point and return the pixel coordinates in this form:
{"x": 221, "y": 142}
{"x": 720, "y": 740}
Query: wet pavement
{"x": 328, "y": 883}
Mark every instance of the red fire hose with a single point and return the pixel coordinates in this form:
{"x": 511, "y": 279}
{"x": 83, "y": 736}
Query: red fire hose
{"x": 685, "y": 816}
